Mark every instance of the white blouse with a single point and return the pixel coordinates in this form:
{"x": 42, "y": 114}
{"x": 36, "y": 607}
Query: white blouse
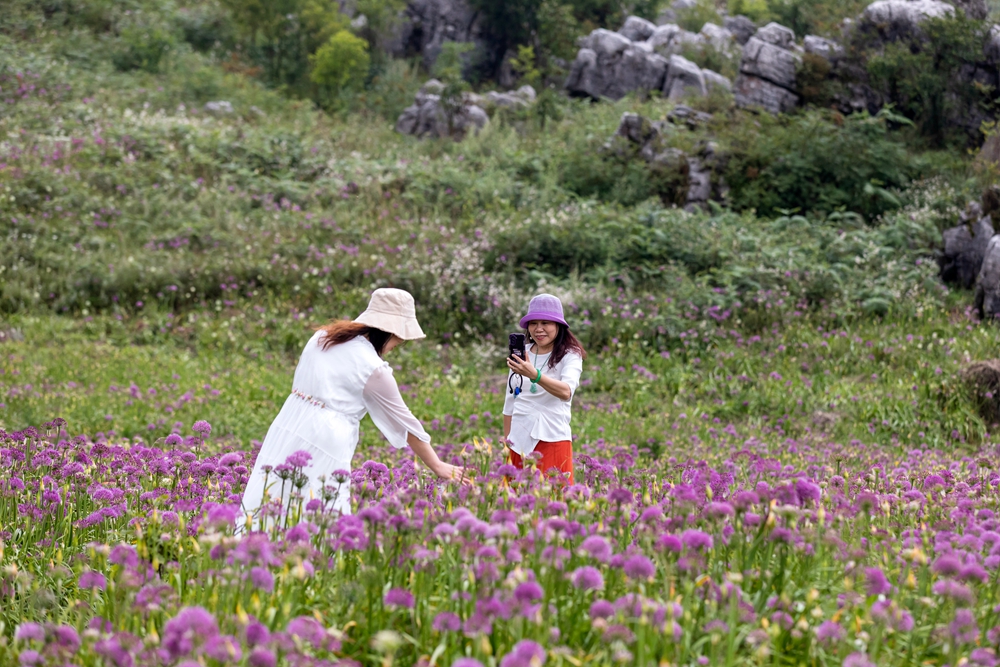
{"x": 540, "y": 415}
{"x": 332, "y": 391}
{"x": 387, "y": 409}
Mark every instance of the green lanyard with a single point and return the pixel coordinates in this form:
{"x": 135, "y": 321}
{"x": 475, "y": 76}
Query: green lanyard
{"x": 534, "y": 383}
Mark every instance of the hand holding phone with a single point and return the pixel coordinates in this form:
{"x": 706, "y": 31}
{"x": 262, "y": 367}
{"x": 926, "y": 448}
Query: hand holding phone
{"x": 515, "y": 346}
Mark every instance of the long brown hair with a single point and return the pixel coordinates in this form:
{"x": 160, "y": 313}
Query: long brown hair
{"x": 565, "y": 342}
{"x": 341, "y": 331}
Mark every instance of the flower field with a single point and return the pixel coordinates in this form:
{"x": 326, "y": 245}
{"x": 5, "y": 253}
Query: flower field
{"x": 753, "y": 549}
{"x": 779, "y": 458}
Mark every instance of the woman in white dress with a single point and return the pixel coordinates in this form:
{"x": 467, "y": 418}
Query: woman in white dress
{"x": 340, "y": 377}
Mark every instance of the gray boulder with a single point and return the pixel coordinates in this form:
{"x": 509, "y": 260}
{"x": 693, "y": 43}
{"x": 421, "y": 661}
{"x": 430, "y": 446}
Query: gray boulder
{"x": 714, "y": 80}
{"x": 820, "y": 46}
{"x": 770, "y": 62}
{"x": 685, "y": 115}
{"x": 897, "y": 18}
{"x": 991, "y": 50}
{"x": 741, "y": 27}
{"x": 987, "y": 297}
{"x": 964, "y": 249}
{"x": 751, "y": 91}
{"x": 777, "y": 35}
{"x": 428, "y": 117}
{"x": 683, "y": 79}
{"x": 610, "y": 65}
{"x": 426, "y": 25}
{"x": 637, "y": 29}
{"x": 718, "y": 38}
{"x": 768, "y": 70}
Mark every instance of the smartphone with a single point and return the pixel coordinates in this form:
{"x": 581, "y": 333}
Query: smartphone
{"x": 515, "y": 345}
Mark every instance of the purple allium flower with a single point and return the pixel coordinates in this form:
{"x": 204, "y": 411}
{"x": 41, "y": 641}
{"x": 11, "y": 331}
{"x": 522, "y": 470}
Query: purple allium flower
{"x": 983, "y": 657}
{"x": 30, "y": 658}
{"x": 947, "y": 565}
{"x": 587, "y": 578}
{"x": 67, "y": 638}
{"x": 718, "y": 510}
{"x": 307, "y": 629}
{"x": 620, "y": 496}
{"x": 858, "y": 660}
{"x": 876, "y": 582}
{"x": 223, "y": 648}
{"x": 669, "y": 542}
{"x": 601, "y": 609}
{"x": 467, "y": 662}
{"x": 829, "y": 632}
{"x": 889, "y": 613}
{"x": 597, "y": 547}
{"x": 950, "y": 588}
{"x": 202, "y": 427}
{"x": 525, "y": 653}
{"x": 230, "y": 459}
{"x": 506, "y": 470}
{"x": 173, "y": 440}
{"x": 27, "y": 632}
{"x": 973, "y": 572}
{"x": 963, "y": 628}
{"x": 262, "y": 579}
{"x": 446, "y": 621}
{"x": 933, "y": 480}
{"x": 638, "y": 567}
{"x": 180, "y": 632}
{"x": 299, "y": 459}
{"x": 697, "y": 540}
{"x": 257, "y": 634}
{"x": 529, "y": 591}
{"x": 262, "y": 657}
{"x": 124, "y": 555}
{"x": 399, "y": 597}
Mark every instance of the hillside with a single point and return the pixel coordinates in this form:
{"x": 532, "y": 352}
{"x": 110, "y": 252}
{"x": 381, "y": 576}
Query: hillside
{"x": 187, "y": 189}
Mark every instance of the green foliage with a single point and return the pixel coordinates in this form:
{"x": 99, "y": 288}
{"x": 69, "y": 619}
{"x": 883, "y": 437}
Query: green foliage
{"x": 818, "y": 161}
{"x": 206, "y": 26}
{"x": 143, "y": 47}
{"x": 524, "y": 67}
{"x": 805, "y": 17}
{"x": 922, "y": 74}
{"x": 696, "y": 16}
{"x": 341, "y": 63}
{"x": 282, "y": 35}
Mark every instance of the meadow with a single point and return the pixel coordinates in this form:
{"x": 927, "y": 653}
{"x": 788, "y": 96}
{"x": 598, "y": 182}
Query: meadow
{"x": 779, "y": 460}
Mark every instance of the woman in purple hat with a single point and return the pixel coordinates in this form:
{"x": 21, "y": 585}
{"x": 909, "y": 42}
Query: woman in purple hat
{"x": 537, "y": 419}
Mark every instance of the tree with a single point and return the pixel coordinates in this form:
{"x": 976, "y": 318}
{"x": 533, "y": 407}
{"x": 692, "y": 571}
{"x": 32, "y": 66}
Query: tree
{"x": 341, "y": 63}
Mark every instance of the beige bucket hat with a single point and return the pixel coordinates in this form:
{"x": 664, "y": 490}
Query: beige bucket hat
{"x": 392, "y": 310}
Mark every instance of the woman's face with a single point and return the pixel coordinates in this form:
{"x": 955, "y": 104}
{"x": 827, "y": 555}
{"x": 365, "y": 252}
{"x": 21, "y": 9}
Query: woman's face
{"x": 543, "y": 332}
{"x": 393, "y": 341}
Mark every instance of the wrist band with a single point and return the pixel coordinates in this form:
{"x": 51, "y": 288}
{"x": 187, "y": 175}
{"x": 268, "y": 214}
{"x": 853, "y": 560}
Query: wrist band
{"x": 535, "y": 382}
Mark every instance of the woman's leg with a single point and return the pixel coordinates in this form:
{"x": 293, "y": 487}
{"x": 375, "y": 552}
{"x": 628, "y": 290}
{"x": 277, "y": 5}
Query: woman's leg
{"x": 558, "y": 455}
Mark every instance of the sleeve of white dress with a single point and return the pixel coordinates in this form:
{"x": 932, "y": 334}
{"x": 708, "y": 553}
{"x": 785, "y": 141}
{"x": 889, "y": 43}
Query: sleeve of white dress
{"x": 508, "y": 398}
{"x": 572, "y": 367}
{"x": 388, "y": 411}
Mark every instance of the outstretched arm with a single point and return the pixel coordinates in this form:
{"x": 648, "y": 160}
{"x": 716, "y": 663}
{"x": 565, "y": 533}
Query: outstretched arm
{"x": 430, "y": 458}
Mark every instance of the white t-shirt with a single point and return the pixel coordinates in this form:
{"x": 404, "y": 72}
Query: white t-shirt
{"x": 540, "y": 415}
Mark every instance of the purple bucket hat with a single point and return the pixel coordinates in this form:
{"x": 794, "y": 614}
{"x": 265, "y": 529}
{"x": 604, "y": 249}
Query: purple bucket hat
{"x": 544, "y": 307}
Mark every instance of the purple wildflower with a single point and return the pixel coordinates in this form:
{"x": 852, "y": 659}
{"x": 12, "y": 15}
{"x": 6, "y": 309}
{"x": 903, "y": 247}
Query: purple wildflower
{"x": 446, "y": 621}
{"x": 399, "y": 597}
{"x": 587, "y": 578}
{"x": 262, "y": 579}
{"x": 876, "y": 582}
{"x": 525, "y": 653}
{"x": 639, "y": 567}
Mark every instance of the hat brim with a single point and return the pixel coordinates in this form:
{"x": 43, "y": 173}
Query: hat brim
{"x": 406, "y": 328}
{"x": 547, "y": 317}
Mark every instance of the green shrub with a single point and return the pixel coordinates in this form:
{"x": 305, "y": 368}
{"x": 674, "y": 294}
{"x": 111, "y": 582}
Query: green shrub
{"x": 205, "y": 26}
{"x": 693, "y": 18}
{"x": 923, "y": 75}
{"x": 340, "y": 63}
{"x": 143, "y": 47}
{"x": 817, "y": 161}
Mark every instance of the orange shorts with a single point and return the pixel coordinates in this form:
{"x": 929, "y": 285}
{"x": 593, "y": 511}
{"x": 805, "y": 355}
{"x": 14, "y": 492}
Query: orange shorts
{"x": 558, "y": 455}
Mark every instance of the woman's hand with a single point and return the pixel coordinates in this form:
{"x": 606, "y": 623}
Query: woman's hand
{"x": 463, "y": 476}
{"x": 522, "y": 367}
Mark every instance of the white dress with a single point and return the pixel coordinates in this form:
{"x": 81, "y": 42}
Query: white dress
{"x": 540, "y": 415}
{"x": 332, "y": 391}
